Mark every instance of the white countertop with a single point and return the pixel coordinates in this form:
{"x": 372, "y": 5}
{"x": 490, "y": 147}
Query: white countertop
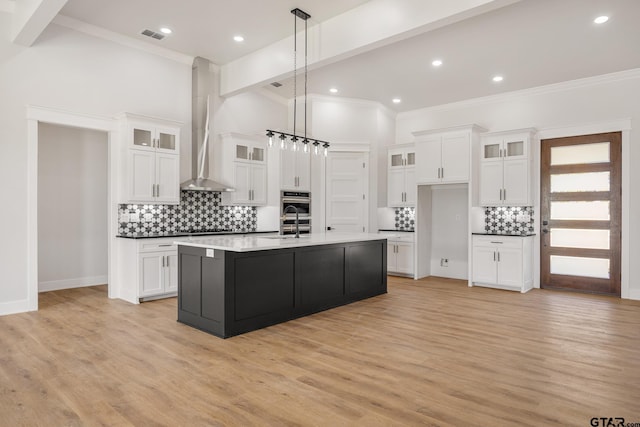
{"x": 250, "y": 243}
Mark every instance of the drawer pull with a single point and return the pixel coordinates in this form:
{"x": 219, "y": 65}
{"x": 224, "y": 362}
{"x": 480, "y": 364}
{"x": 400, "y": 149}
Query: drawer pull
{"x": 498, "y": 242}
{"x": 166, "y": 245}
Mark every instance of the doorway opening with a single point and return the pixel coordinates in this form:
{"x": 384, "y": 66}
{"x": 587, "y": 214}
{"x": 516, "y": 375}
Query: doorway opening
{"x": 581, "y": 213}
{"x": 72, "y": 207}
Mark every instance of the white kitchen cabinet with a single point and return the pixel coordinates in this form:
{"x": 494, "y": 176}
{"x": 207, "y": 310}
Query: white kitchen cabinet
{"x": 505, "y": 169}
{"x": 151, "y": 154}
{"x": 504, "y": 262}
{"x": 148, "y": 268}
{"x": 401, "y": 177}
{"x": 244, "y": 167}
{"x": 444, "y": 155}
{"x": 400, "y": 252}
{"x": 153, "y": 177}
{"x": 158, "y": 273}
{"x": 295, "y": 170}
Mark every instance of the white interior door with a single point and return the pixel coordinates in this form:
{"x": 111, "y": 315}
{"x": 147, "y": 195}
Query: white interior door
{"x": 347, "y": 192}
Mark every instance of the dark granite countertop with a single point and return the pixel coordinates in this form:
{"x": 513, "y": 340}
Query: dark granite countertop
{"x": 504, "y": 234}
{"x": 395, "y": 230}
{"x": 186, "y": 234}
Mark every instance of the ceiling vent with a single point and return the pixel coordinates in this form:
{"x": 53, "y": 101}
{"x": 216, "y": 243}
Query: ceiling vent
{"x": 152, "y": 34}
{"x": 276, "y": 84}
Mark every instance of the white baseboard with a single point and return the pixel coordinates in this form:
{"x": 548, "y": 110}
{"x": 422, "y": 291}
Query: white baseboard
{"x": 80, "y": 282}
{"x": 14, "y": 307}
{"x": 634, "y": 294}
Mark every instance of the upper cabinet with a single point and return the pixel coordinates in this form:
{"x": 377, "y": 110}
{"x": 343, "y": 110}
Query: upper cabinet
{"x": 505, "y": 168}
{"x": 244, "y": 167}
{"x": 444, "y": 155}
{"x": 401, "y": 176}
{"x": 151, "y": 153}
{"x": 295, "y": 170}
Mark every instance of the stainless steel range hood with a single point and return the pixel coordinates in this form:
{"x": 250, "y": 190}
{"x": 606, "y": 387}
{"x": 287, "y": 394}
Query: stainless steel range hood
{"x": 200, "y": 131}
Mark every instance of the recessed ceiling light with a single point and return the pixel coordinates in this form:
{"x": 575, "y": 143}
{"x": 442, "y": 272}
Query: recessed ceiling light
{"x": 166, "y": 30}
{"x": 396, "y": 100}
{"x": 333, "y": 90}
{"x": 238, "y": 38}
{"x": 498, "y": 79}
{"x": 436, "y": 62}
{"x": 601, "y": 19}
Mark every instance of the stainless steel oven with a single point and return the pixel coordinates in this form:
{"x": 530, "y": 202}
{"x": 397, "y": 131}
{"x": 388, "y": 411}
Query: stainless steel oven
{"x": 301, "y": 200}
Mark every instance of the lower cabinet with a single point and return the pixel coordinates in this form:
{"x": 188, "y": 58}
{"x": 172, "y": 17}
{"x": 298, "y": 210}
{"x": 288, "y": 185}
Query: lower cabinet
{"x": 148, "y": 268}
{"x": 400, "y": 253}
{"x": 227, "y": 293}
{"x": 158, "y": 273}
{"x": 504, "y": 262}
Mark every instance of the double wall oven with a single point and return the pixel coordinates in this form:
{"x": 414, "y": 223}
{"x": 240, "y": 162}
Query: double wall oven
{"x": 302, "y": 202}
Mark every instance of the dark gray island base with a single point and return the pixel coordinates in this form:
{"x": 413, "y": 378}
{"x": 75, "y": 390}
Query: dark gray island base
{"x": 236, "y": 292}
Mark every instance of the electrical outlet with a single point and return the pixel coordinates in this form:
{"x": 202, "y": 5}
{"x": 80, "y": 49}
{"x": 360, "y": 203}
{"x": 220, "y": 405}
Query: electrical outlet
{"x": 148, "y": 217}
{"x": 134, "y": 217}
{"x": 444, "y": 262}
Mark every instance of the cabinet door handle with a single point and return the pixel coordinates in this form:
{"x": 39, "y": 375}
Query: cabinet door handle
{"x": 157, "y": 190}
{"x": 498, "y": 256}
{"x": 442, "y": 173}
{"x": 167, "y": 260}
{"x": 501, "y": 194}
{"x": 494, "y": 256}
{"x": 162, "y": 261}
{"x": 504, "y": 193}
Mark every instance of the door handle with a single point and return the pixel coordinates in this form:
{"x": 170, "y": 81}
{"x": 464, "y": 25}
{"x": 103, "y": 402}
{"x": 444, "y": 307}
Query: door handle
{"x": 504, "y": 193}
{"x": 545, "y": 230}
{"x": 163, "y": 261}
{"x": 494, "y": 256}
{"x": 498, "y": 256}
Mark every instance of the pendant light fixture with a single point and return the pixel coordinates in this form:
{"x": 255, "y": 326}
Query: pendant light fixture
{"x": 304, "y": 140}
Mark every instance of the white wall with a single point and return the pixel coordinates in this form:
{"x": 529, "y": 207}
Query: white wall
{"x": 449, "y": 234}
{"x": 601, "y": 99}
{"x": 72, "y": 207}
{"x": 71, "y": 71}
{"x": 349, "y": 122}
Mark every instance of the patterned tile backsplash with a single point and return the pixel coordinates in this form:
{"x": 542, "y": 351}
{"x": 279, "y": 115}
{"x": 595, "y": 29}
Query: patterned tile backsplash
{"x": 405, "y": 218}
{"x": 508, "y": 220}
{"x": 197, "y": 211}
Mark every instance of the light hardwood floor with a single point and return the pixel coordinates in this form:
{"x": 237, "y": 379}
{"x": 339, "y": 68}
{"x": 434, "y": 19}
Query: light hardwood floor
{"x": 430, "y": 352}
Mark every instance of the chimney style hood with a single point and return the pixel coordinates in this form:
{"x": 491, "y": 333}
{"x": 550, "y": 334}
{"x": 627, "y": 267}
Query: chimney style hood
{"x": 200, "y": 131}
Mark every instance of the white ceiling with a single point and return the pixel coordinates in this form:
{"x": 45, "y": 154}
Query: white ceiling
{"x": 531, "y": 43}
{"x": 205, "y": 27}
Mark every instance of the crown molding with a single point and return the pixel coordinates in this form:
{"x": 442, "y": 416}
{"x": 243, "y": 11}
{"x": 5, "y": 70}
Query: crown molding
{"x": 539, "y": 90}
{"x": 104, "y": 34}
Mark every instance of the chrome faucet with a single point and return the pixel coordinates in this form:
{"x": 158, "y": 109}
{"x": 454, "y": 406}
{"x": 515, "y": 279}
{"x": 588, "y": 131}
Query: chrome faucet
{"x": 284, "y": 213}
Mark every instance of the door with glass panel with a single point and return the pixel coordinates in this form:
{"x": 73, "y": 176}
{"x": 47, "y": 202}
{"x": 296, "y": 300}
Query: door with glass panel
{"x": 581, "y": 213}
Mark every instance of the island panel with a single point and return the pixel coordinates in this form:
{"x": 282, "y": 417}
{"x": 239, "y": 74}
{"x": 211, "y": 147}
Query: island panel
{"x": 252, "y": 290}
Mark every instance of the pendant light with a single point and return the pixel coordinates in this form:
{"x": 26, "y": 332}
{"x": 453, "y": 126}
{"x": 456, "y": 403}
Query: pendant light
{"x": 304, "y": 140}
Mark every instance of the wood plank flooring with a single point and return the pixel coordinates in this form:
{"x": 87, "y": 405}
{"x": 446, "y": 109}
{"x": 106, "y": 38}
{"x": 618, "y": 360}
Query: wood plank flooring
{"x": 430, "y": 352}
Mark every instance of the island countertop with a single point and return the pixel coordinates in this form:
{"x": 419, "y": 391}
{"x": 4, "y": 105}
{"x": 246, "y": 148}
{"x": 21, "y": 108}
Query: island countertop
{"x": 250, "y": 243}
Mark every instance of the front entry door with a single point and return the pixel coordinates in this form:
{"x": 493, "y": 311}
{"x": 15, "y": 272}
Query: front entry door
{"x": 347, "y": 199}
{"x": 580, "y": 181}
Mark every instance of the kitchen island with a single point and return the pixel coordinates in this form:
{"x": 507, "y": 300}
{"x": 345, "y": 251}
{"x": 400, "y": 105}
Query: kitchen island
{"x": 229, "y": 285}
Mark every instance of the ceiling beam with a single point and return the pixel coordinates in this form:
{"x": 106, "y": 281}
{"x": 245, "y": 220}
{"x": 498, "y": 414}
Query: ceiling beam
{"x": 31, "y": 17}
{"x": 371, "y": 25}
